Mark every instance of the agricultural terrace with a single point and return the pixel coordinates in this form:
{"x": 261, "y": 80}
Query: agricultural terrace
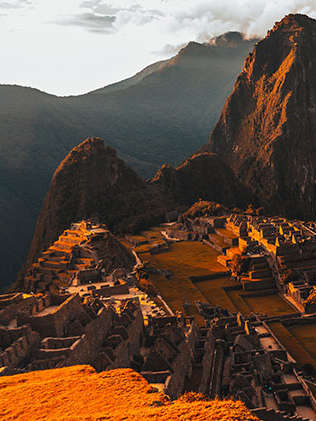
{"x": 271, "y": 304}
{"x": 189, "y": 258}
{"x": 299, "y": 340}
{"x": 183, "y": 260}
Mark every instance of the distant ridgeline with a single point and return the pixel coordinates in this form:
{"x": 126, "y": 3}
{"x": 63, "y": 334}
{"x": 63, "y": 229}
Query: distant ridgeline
{"x": 264, "y": 143}
{"x": 89, "y": 294}
{"x": 162, "y": 114}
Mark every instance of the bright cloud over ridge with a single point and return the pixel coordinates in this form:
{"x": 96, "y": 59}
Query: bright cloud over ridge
{"x": 73, "y": 46}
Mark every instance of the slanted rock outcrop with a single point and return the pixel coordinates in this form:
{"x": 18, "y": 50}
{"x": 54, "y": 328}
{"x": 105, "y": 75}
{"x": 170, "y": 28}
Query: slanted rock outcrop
{"x": 267, "y": 129}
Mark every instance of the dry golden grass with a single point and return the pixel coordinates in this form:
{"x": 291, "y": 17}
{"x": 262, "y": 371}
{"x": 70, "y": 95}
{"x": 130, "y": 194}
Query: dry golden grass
{"x": 79, "y": 393}
{"x": 188, "y": 258}
{"x": 239, "y": 303}
{"x": 146, "y": 248}
{"x": 153, "y": 233}
{"x": 137, "y": 238}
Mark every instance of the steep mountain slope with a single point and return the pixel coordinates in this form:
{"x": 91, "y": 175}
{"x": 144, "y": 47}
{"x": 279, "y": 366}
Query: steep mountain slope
{"x": 267, "y": 130}
{"x": 131, "y": 81}
{"x": 35, "y": 132}
{"x": 162, "y": 114}
{"x": 204, "y": 175}
{"x": 93, "y": 182}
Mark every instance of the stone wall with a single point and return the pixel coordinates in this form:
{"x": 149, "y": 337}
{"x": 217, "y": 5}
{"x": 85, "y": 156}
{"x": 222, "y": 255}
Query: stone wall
{"x": 273, "y": 415}
{"x": 94, "y": 336}
{"x": 109, "y": 291}
{"x": 8, "y": 336}
{"x": 55, "y": 343}
{"x": 24, "y": 341}
{"x": 181, "y": 369}
{"x": 157, "y": 377}
{"x": 25, "y": 306}
{"x": 207, "y": 362}
{"x": 59, "y": 322}
{"x": 8, "y": 299}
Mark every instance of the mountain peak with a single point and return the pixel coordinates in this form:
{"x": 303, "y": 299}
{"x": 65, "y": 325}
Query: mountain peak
{"x": 90, "y": 144}
{"x": 293, "y": 21}
{"x": 267, "y": 128}
{"x": 229, "y": 39}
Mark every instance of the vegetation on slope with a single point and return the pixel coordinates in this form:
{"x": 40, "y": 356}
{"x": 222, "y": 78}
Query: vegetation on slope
{"x": 79, "y": 393}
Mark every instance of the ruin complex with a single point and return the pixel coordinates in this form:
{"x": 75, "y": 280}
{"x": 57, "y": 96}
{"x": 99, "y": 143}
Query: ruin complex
{"x": 78, "y": 308}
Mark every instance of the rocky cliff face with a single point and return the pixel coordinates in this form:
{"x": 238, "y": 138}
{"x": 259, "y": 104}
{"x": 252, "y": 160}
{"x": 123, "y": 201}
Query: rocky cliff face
{"x": 205, "y": 176}
{"x": 267, "y": 129}
{"x": 93, "y": 182}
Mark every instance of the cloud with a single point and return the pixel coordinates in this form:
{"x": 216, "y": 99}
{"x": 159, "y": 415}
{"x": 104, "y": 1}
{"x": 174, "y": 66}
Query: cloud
{"x": 90, "y": 21}
{"x": 169, "y": 50}
{"x": 193, "y": 18}
{"x": 14, "y": 4}
{"x": 105, "y": 17}
{"x": 253, "y": 17}
{"x": 201, "y": 20}
{"x": 98, "y": 6}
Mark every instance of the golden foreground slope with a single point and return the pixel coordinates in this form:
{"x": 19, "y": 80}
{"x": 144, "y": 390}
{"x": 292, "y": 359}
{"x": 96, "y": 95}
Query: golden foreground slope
{"x": 79, "y": 393}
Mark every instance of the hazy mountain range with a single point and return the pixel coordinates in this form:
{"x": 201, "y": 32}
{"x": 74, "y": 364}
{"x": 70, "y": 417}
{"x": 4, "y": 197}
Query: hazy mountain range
{"x": 162, "y": 114}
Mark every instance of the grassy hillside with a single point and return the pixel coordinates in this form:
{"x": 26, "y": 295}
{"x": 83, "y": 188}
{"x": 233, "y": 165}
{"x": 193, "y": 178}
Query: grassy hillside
{"x": 79, "y": 393}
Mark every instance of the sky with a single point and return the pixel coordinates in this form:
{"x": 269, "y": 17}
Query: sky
{"x": 69, "y": 47}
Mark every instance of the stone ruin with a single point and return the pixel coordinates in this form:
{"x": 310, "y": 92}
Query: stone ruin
{"x": 55, "y": 331}
{"x": 78, "y": 255}
{"x": 228, "y": 356}
{"x": 242, "y": 359}
{"x": 52, "y": 331}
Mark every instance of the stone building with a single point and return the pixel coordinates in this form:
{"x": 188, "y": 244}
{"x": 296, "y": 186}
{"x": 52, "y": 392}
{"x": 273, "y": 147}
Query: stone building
{"x": 167, "y": 355}
{"x": 64, "y": 330}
